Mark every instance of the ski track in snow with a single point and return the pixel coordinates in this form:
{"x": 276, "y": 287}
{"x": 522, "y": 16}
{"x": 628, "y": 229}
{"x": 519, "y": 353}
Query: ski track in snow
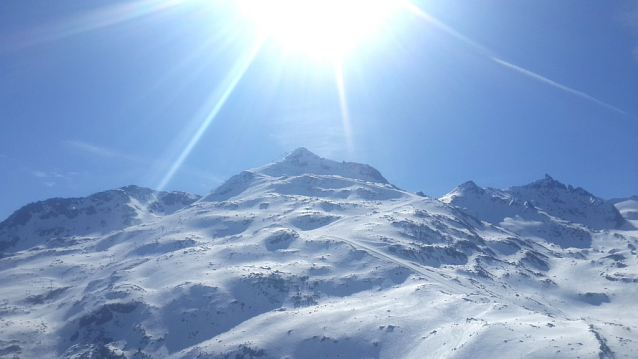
{"x": 434, "y": 277}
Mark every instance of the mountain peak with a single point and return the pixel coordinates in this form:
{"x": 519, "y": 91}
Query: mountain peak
{"x": 301, "y": 161}
{"x": 295, "y": 169}
{"x": 301, "y": 152}
{"x": 470, "y": 186}
{"x": 464, "y": 189}
{"x": 547, "y": 182}
{"x": 301, "y": 157}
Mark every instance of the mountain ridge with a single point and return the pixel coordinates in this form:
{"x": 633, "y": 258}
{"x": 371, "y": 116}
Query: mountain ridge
{"x": 541, "y": 193}
{"x": 279, "y": 262}
{"x": 120, "y": 208}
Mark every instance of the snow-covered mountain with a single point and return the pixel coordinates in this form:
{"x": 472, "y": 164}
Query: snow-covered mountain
{"x": 544, "y": 209}
{"x": 312, "y": 258}
{"x": 97, "y": 214}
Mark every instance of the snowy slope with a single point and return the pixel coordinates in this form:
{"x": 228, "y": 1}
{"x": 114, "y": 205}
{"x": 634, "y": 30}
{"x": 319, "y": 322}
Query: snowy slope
{"x": 311, "y": 258}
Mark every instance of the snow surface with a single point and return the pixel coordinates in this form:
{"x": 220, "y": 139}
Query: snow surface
{"x": 311, "y": 258}
{"x": 628, "y": 208}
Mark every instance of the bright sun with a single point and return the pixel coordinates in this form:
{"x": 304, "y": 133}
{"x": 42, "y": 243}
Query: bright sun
{"x": 319, "y": 28}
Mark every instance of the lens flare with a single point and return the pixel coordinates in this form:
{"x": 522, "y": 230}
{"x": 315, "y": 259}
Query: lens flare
{"x": 319, "y": 28}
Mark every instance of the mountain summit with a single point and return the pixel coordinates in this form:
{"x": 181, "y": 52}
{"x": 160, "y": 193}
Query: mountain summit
{"x": 301, "y": 161}
{"x": 311, "y": 258}
{"x": 303, "y": 172}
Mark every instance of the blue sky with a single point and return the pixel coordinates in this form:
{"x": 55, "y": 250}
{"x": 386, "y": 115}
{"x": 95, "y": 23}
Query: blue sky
{"x": 102, "y": 94}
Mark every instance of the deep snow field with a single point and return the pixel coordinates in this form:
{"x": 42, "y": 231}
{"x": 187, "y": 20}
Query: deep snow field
{"x": 311, "y": 258}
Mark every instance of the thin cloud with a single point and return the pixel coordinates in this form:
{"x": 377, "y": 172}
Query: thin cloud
{"x": 146, "y": 165}
{"x": 102, "y": 152}
{"x": 489, "y": 53}
{"x": 57, "y": 175}
{"x": 50, "y": 177}
{"x": 44, "y": 174}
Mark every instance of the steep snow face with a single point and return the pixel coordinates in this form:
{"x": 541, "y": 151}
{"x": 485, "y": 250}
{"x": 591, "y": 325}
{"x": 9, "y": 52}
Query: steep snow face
{"x": 628, "y": 208}
{"x": 545, "y": 209}
{"x": 97, "y": 214}
{"x": 318, "y": 265}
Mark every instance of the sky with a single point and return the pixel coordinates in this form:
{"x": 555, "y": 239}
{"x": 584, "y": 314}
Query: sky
{"x": 183, "y": 94}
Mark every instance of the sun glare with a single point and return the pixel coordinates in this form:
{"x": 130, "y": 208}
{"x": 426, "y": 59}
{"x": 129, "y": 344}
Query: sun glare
{"x": 319, "y": 28}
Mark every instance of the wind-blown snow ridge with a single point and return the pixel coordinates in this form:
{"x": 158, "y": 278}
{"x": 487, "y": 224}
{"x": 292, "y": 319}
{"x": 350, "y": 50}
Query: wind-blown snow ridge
{"x": 311, "y": 258}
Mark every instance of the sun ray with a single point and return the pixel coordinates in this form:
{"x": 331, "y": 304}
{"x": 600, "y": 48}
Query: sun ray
{"x": 216, "y": 101}
{"x": 343, "y": 105}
